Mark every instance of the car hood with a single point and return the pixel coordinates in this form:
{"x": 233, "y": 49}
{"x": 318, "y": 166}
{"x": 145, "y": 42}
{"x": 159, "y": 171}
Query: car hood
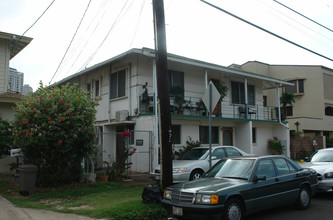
{"x": 209, "y": 185}
{"x": 320, "y": 167}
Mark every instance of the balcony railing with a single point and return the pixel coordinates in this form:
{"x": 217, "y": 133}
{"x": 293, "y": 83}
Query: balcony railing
{"x": 192, "y": 106}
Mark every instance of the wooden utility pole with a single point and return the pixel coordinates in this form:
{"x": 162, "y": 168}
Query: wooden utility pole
{"x": 163, "y": 92}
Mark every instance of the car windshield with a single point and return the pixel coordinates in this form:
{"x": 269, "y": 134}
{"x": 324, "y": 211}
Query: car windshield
{"x": 195, "y": 154}
{"x": 232, "y": 168}
{"x": 323, "y": 156}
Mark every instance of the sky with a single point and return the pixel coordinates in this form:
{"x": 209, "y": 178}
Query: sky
{"x": 193, "y": 29}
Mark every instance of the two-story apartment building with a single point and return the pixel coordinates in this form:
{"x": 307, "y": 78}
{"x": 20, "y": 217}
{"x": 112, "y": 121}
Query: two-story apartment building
{"x": 312, "y": 112}
{"x": 125, "y": 87}
{"x": 10, "y": 46}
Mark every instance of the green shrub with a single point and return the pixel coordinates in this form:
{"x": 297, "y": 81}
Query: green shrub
{"x": 54, "y": 128}
{"x": 6, "y": 137}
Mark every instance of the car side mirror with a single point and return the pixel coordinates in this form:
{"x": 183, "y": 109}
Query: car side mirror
{"x": 256, "y": 178}
{"x": 307, "y": 159}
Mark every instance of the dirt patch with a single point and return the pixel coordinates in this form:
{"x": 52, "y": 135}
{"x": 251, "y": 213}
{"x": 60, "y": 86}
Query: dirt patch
{"x": 81, "y": 207}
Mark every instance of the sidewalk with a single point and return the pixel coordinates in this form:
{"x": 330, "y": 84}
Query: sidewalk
{"x": 9, "y": 212}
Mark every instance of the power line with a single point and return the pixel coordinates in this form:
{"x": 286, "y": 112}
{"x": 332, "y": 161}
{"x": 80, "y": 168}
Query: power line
{"x": 303, "y": 16}
{"x": 33, "y": 24}
{"x": 269, "y": 32}
{"x": 71, "y": 41}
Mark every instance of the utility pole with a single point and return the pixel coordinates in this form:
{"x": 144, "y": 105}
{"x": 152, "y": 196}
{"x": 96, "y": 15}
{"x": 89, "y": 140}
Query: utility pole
{"x": 163, "y": 92}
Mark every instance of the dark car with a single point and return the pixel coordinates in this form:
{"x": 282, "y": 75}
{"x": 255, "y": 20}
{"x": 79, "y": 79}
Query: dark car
{"x": 236, "y": 187}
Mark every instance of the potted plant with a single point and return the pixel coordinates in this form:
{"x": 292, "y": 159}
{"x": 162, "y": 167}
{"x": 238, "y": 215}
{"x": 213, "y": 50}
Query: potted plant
{"x": 275, "y": 146}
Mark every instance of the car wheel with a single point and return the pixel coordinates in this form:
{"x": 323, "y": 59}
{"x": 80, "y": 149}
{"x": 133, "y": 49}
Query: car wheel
{"x": 304, "y": 198}
{"x": 233, "y": 210}
{"x": 196, "y": 174}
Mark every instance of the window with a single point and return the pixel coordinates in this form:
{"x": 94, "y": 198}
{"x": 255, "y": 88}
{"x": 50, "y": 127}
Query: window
{"x": 289, "y": 110}
{"x": 175, "y": 134}
{"x": 97, "y": 88}
{"x": 204, "y": 134}
{"x": 266, "y": 168}
{"x": 88, "y": 87}
{"x": 265, "y": 101}
{"x": 297, "y": 88}
{"x": 329, "y": 111}
{"x": 282, "y": 166}
{"x": 254, "y": 135}
{"x": 176, "y": 80}
{"x": 218, "y": 153}
{"x": 232, "y": 152}
{"x": 238, "y": 93}
{"x": 118, "y": 84}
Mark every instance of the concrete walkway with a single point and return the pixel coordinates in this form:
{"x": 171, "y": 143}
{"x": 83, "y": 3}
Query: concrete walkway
{"x": 10, "y": 212}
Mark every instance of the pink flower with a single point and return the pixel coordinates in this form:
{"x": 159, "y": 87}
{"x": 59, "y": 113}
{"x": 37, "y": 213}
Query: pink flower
{"x": 27, "y": 122}
{"x": 69, "y": 112}
{"x": 29, "y": 103}
{"x": 52, "y": 89}
{"x": 93, "y": 134}
{"x": 60, "y": 142}
{"x": 61, "y": 101}
{"x": 32, "y": 111}
{"x": 49, "y": 96}
{"x": 62, "y": 119}
{"x": 49, "y": 119}
{"x": 40, "y": 97}
{"x": 27, "y": 132}
{"x": 126, "y": 134}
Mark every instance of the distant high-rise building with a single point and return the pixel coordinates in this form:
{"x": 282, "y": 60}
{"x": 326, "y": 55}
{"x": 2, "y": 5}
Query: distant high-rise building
{"x": 15, "y": 81}
{"x": 27, "y": 89}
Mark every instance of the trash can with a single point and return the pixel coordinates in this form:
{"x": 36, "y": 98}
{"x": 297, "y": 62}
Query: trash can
{"x": 27, "y": 179}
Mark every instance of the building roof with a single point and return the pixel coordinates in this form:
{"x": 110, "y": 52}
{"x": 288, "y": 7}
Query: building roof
{"x": 17, "y": 43}
{"x": 269, "y": 82}
{"x": 10, "y": 97}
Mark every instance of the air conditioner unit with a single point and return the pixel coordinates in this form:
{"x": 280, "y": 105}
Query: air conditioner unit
{"x": 121, "y": 115}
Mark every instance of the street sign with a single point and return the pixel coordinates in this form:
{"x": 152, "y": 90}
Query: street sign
{"x": 215, "y": 97}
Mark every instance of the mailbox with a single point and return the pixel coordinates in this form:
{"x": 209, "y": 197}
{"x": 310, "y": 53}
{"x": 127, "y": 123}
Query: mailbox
{"x": 15, "y": 152}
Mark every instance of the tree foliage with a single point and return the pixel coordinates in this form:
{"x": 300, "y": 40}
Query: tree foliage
{"x": 6, "y": 138}
{"x": 54, "y": 128}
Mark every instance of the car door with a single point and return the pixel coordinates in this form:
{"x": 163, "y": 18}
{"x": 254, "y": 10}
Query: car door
{"x": 286, "y": 181}
{"x": 264, "y": 193}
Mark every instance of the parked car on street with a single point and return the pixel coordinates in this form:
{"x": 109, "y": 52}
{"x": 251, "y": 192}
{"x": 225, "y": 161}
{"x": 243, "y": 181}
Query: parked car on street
{"x": 239, "y": 186}
{"x": 322, "y": 162}
{"x": 194, "y": 163}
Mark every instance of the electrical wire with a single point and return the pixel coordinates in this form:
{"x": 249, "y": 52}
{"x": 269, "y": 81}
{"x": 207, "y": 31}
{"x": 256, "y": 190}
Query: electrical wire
{"x": 71, "y": 41}
{"x": 107, "y": 35}
{"x": 303, "y": 16}
{"x": 138, "y": 23}
{"x": 269, "y": 32}
{"x": 33, "y": 24}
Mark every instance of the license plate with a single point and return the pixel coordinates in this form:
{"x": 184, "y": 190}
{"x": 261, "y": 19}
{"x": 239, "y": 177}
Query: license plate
{"x": 177, "y": 211}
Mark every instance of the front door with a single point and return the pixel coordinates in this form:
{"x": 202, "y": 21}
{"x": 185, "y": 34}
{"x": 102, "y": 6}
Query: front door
{"x": 227, "y": 136}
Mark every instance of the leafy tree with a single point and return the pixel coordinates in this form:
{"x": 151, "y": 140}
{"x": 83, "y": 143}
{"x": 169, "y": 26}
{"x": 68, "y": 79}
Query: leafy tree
{"x": 54, "y": 128}
{"x": 6, "y": 138}
{"x": 286, "y": 99}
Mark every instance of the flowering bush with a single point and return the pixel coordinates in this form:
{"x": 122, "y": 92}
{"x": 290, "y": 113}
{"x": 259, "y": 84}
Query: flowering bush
{"x": 54, "y": 128}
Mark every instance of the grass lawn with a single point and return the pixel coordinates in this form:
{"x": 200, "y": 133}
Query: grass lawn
{"x": 98, "y": 200}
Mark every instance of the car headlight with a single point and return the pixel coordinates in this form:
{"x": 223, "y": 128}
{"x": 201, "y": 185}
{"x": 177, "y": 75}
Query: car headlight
{"x": 206, "y": 199}
{"x": 167, "y": 194}
{"x": 329, "y": 175}
{"x": 179, "y": 170}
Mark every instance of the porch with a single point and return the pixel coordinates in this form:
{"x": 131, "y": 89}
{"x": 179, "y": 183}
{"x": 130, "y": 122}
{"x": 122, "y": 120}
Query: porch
{"x": 194, "y": 107}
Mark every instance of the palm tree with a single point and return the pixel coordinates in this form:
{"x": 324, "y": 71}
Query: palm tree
{"x": 285, "y": 99}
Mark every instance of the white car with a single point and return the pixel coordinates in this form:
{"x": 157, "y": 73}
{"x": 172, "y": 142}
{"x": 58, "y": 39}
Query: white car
{"x": 322, "y": 162}
{"x": 194, "y": 163}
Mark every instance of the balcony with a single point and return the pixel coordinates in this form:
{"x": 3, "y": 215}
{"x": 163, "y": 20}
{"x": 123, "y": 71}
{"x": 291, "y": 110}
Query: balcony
{"x": 194, "y": 107}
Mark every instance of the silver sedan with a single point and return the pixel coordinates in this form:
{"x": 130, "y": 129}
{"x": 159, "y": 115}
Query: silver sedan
{"x": 193, "y": 164}
{"x": 322, "y": 162}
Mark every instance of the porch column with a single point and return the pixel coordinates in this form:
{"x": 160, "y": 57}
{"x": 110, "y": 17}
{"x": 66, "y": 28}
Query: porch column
{"x": 278, "y": 102}
{"x": 206, "y": 79}
{"x": 246, "y": 99}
